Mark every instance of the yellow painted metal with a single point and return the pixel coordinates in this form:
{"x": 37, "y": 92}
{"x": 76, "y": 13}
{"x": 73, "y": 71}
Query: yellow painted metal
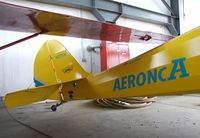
{"x": 185, "y": 50}
{"x": 54, "y": 64}
{"x": 170, "y": 69}
{"x": 29, "y": 96}
{"x": 57, "y": 22}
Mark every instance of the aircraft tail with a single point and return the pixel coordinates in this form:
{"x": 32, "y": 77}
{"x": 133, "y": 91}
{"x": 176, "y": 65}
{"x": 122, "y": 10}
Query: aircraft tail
{"x": 54, "y": 64}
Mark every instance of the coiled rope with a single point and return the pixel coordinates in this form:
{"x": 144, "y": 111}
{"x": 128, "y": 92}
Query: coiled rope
{"x": 131, "y": 102}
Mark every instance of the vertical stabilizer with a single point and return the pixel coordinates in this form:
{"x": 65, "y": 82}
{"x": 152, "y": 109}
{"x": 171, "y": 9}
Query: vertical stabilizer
{"x": 54, "y": 64}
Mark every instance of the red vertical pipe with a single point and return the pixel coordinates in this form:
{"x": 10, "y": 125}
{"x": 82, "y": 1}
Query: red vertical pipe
{"x": 103, "y": 54}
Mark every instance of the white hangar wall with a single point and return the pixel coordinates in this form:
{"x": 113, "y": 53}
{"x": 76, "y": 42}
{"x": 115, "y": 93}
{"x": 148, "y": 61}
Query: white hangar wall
{"x": 17, "y": 62}
{"x": 153, "y": 5}
{"x": 190, "y": 19}
{"x": 16, "y": 68}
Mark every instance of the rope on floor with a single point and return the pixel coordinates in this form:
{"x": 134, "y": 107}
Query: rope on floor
{"x": 131, "y": 102}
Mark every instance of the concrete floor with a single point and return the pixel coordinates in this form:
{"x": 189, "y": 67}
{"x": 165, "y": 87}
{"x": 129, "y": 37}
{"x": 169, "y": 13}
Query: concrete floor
{"x": 169, "y": 117}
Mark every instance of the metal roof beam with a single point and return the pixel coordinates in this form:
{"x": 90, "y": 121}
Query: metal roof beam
{"x": 168, "y": 7}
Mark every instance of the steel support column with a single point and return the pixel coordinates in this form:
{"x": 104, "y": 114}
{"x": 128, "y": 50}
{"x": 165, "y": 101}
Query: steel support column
{"x": 175, "y": 23}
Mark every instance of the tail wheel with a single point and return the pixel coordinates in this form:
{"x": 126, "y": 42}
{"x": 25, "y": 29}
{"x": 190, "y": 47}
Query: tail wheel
{"x": 53, "y": 108}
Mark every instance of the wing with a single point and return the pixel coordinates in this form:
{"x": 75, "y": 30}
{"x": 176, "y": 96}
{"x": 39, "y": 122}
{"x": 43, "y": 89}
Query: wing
{"x": 25, "y": 19}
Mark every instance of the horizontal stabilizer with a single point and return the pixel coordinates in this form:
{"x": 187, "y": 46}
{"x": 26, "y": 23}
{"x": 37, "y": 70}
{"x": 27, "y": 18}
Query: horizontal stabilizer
{"x": 29, "y": 96}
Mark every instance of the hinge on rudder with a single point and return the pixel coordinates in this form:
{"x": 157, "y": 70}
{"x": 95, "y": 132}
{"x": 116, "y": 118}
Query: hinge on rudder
{"x": 70, "y": 93}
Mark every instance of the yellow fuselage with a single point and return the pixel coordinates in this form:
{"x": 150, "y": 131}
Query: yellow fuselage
{"x": 170, "y": 69}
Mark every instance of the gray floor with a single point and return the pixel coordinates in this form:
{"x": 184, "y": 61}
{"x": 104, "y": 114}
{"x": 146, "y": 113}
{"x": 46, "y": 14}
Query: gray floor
{"x": 169, "y": 117}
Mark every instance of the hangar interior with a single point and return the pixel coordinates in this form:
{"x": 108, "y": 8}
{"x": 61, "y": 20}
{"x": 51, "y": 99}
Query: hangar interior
{"x": 168, "y": 117}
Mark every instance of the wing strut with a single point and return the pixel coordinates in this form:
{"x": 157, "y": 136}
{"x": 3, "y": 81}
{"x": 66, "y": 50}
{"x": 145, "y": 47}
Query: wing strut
{"x": 21, "y": 40}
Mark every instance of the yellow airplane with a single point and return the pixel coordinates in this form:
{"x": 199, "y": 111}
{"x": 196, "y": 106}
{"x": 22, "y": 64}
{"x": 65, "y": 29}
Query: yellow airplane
{"x": 170, "y": 69}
